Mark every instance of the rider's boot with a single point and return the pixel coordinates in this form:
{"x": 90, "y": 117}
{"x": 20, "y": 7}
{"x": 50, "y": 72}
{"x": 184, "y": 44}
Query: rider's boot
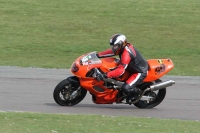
{"x": 133, "y": 95}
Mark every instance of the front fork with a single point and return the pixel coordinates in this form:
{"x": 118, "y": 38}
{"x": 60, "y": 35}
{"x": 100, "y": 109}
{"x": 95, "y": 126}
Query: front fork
{"x": 75, "y": 93}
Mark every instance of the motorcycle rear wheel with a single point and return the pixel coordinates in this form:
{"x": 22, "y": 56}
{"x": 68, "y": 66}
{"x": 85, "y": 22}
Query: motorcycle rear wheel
{"x": 65, "y": 93}
{"x": 158, "y": 98}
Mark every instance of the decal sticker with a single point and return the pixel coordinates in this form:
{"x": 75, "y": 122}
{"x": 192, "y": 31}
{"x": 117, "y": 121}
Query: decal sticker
{"x": 160, "y": 61}
{"x": 160, "y": 69}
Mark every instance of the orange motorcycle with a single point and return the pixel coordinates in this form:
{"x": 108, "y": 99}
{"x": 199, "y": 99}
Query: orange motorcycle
{"x": 73, "y": 90}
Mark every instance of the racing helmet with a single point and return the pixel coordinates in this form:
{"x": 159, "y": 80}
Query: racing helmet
{"x": 117, "y": 43}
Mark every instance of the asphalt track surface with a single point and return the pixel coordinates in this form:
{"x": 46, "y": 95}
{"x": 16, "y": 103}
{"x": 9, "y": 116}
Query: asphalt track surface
{"x": 31, "y": 90}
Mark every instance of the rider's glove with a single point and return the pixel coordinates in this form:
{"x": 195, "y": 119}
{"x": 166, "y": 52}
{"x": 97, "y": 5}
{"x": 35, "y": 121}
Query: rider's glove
{"x": 101, "y": 76}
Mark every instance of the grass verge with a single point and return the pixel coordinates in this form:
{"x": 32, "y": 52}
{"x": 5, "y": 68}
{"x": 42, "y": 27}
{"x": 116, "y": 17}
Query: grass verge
{"x": 63, "y": 123}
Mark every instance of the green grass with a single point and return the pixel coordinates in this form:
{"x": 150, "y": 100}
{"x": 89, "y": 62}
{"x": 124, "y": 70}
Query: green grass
{"x": 51, "y": 34}
{"x": 62, "y": 123}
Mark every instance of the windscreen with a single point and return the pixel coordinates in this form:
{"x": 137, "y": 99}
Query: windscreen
{"x": 90, "y": 58}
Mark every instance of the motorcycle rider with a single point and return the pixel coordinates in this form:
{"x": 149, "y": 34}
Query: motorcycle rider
{"x": 130, "y": 59}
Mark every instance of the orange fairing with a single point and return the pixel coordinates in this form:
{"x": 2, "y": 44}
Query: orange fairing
{"x": 105, "y": 64}
{"x": 102, "y": 95}
{"x": 89, "y": 61}
{"x": 83, "y": 65}
{"x": 158, "y": 68}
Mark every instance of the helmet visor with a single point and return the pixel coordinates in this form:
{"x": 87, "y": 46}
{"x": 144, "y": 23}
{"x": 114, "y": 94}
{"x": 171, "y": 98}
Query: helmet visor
{"x": 116, "y": 48}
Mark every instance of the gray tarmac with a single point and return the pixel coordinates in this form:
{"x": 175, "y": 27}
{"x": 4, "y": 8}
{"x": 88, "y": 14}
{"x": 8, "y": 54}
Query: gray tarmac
{"x": 31, "y": 90}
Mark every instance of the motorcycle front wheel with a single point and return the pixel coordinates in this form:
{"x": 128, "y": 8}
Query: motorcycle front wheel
{"x": 67, "y": 93}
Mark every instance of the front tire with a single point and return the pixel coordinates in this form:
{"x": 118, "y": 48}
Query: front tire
{"x": 67, "y": 93}
{"x": 158, "y": 97}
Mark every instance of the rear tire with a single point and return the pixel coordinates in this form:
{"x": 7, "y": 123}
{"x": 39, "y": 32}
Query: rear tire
{"x": 158, "y": 98}
{"x": 65, "y": 93}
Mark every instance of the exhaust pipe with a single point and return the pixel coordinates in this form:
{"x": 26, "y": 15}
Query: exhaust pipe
{"x": 155, "y": 88}
{"x": 161, "y": 85}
